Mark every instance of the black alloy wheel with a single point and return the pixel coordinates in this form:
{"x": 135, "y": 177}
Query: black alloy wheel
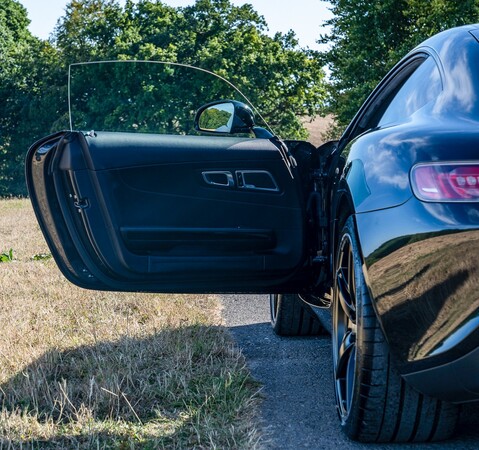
{"x": 374, "y": 402}
{"x": 344, "y": 327}
{"x": 290, "y": 316}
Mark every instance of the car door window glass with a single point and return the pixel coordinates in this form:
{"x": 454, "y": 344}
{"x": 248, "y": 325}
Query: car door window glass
{"x": 422, "y": 86}
{"x": 152, "y": 97}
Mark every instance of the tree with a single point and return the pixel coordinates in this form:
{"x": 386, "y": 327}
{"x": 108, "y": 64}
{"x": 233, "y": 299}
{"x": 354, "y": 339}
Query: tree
{"x": 281, "y": 79}
{"x": 368, "y": 37}
{"x": 25, "y": 84}
{"x": 89, "y": 30}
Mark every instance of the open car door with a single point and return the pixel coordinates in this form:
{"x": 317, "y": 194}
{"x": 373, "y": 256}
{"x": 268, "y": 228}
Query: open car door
{"x": 139, "y": 204}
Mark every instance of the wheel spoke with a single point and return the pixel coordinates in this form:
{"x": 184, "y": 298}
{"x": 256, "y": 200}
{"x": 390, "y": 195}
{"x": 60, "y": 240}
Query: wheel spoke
{"x": 273, "y": 300}
{"x": 352, "y": 280}
{"x": 345, "y": 354}
{"x": 350, "y": 378}
{"x": 346, "y": 295}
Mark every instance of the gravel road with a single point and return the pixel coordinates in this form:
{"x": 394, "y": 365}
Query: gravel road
{"x": 298, "y": 411}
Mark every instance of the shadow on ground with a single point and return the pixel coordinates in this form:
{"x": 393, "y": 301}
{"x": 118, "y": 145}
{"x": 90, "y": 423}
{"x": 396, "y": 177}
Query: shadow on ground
{"x": 169, "y": 390}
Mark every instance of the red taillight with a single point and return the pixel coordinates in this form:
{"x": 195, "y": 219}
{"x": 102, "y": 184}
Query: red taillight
{"x": 449, "y": 182}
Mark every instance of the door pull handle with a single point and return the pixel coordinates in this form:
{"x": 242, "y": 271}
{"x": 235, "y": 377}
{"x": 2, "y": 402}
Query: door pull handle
{"x": 256, "y": 180}
{"x": 219, "y": 178}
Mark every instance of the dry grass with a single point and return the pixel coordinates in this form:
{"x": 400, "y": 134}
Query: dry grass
{"x": 319, "y": 129}
{"x": 81, "y": 369}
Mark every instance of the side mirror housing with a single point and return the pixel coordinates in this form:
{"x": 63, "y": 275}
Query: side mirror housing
{"x": 228, "y": 117}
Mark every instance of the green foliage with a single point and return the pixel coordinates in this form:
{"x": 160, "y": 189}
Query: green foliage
{"x": 214, "y": 118}
{"x": 139, "y": 97}
{"x": 89, "y": 30}
{"x": 368, "y": 38}
{"x": 284, "y": 81}
{"x": 31, "y": 93}
{"x": 41, "y": 256}
{"x": 6, "y": 256}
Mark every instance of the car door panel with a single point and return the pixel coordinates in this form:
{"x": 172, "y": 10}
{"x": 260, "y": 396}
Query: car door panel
{"x": 142, "y": 216}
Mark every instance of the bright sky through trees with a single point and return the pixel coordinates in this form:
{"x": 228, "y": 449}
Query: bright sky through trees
{"x": 305, "y": 17}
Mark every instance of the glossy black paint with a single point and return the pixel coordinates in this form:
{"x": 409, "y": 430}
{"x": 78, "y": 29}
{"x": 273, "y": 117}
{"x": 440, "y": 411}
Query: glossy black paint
{"x": 421, "y": 259}
{"x": 422, "y": 272}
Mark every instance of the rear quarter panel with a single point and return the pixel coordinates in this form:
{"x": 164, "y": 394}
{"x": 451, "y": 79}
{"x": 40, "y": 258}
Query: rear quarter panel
{"x": 420, "y": 259}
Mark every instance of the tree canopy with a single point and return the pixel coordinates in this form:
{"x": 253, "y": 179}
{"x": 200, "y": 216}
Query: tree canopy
{"x": 367, "y": 38}
{"x": 28, "y": 93}
{"x": 283, "y": 80}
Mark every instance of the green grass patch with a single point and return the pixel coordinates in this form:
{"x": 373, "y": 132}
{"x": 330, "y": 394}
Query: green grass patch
{"x": 6, "y": 256}
{"x": 41, "y": 256}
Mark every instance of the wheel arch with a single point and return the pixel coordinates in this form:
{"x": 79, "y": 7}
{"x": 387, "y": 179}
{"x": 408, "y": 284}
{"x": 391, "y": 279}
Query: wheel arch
{"x": 343, "y": 209}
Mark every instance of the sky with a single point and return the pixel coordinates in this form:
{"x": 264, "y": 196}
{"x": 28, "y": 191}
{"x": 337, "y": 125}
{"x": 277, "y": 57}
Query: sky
{"x": 305, "y": 17}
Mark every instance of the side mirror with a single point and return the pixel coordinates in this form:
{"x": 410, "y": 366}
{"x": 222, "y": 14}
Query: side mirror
{"x": 228, "y": 117}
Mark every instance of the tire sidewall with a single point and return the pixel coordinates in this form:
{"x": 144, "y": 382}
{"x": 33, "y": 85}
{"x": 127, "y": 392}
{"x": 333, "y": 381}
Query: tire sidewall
{"x": 274, "y": 308}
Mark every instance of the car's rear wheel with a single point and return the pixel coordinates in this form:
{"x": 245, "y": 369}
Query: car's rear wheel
{"x": 290, "y": 316}
{"x": 373, "y": 401}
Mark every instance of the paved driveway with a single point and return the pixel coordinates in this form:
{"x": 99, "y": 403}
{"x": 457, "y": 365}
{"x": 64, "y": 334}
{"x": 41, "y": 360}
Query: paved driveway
{"x": 298, "y": 410}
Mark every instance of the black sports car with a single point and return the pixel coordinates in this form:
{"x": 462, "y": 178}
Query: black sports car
{"x": 381, "y": 227}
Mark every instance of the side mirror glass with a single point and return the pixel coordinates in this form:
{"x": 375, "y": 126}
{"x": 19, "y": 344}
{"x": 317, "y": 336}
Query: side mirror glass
{"x": 225, "y": 116}
{"x": 228, "y": 117}
{"x": 216, "y": 118}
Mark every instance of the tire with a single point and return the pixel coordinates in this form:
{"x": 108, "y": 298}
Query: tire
{"x": 290, "y": 316}
{"x": 373, "y": 401}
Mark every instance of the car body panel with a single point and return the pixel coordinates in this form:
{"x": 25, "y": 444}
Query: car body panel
{"x": 453, "y": 381}
{"x": 422, "y": 276}
{"x": 377, "y": 170}
{"x": 421, "y": 258}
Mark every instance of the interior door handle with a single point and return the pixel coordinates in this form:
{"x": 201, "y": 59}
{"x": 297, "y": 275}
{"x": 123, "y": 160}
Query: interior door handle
{"x": 256, "y": 180}
{"x": 219, "y": 178}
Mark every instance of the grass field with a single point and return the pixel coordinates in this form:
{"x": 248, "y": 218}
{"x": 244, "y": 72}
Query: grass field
{"x": 84, "y": 369}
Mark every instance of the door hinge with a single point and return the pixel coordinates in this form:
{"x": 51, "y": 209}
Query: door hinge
{"x": 80, "y": 203}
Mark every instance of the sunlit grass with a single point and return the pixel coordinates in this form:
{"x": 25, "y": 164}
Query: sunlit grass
{"x": 84, "y": 369}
